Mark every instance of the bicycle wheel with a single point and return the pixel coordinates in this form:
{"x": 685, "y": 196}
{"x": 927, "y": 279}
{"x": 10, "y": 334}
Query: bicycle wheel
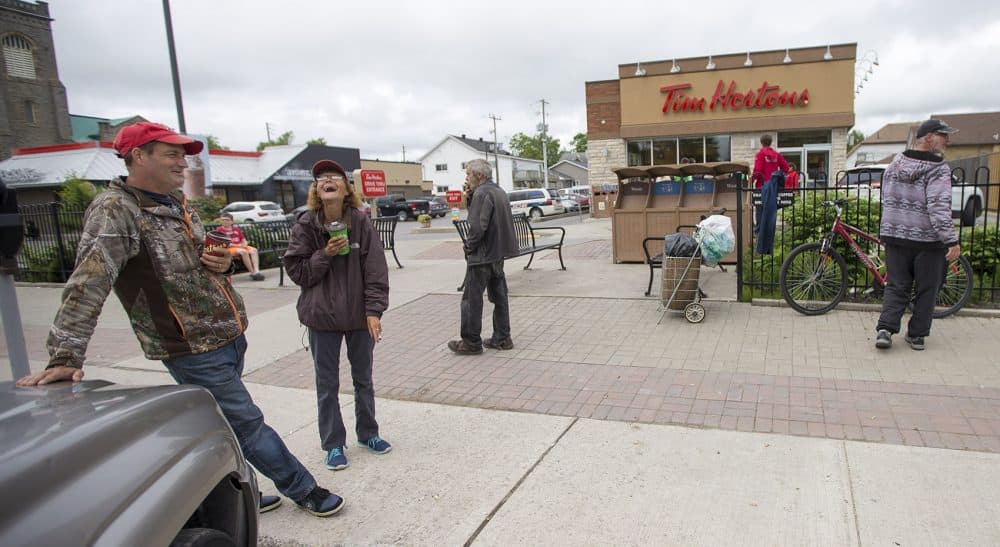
{"x": 956, "y": 289}
{"x": 813, "y": 281}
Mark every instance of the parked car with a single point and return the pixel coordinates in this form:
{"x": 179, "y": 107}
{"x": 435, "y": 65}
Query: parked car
{"x": 395, "y": 205}
{"x": 966, "y": 200}
{"x": 582, "y": 194}
{"x": 294, "y": 214}
{"x": 569, "y": 202}
{"x": 438, "y": 206}
{"x": 535, "y": 202}
{"x": 254, "y": 211}
{"x": 94, "y": 463}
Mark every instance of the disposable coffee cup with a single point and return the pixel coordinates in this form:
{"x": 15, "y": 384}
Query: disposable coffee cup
{"x": 216, "y": 243}
{"x": 339, "y": 229}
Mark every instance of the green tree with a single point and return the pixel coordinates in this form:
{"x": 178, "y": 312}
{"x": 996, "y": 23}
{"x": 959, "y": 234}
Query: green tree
{"x": 284, "y": 138}
{"x": 531, "y": 147}
{"x": 854, "y": 137}
{"x": 579, "y": 142}
{"x": 76, "y": 194}
{"x": 207, "y": 207}
{"x": 318, "y": 140}
{"x": 213, "y": 143}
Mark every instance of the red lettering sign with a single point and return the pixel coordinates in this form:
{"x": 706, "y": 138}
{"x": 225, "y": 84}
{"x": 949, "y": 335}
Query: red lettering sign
{"x": 453, "y": 196}
{"x": 767, "y": 96}
{"x": 372, "y": 183}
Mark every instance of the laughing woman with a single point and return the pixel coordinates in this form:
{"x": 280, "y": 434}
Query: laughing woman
{"x": 345, "y": 289}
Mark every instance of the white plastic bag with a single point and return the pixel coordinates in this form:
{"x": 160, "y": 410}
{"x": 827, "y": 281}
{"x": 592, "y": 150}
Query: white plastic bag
{"x": 716, "y": 238}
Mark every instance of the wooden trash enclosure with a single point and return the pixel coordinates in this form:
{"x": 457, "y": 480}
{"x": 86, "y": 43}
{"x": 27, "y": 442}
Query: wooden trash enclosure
{"x": 654, "y": 201}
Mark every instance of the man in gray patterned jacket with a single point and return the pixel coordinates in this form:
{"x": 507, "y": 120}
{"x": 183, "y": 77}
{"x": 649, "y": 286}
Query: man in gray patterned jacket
{"x": 918, "y": 234}
{"x": 141, "y": 239}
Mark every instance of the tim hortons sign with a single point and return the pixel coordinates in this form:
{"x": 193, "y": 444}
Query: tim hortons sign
{"x": 767, "y": 96}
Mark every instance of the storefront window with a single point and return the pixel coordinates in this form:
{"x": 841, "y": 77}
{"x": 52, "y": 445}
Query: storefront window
{"x": 692, "y": 149}
{"x": 669, "y": 151}
{"x": 639, "y": 153}
{"x": 664, "y": 151}
{"x": 717, "y": 148}
{"x": 796, "y": 139}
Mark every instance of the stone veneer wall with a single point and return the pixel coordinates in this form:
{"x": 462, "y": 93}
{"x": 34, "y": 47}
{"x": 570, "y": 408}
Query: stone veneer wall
{"x": 602, "y": 157}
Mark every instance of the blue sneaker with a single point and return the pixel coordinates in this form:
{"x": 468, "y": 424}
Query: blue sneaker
{"x": 336, "y": 460}
{"x": 377, "y": 445}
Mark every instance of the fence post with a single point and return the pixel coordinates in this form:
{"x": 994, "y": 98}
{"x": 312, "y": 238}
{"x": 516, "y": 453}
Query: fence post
{"x": 54, "y": 207}
{"x": 739, "y": 239}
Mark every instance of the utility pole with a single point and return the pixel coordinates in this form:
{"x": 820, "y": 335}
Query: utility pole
{"x": 545, "y": 156}
{"x": 404, "y": 153}
{"x": 267, "y": 128}
{"x": 173, "y": 67}
{"x": 496, "y": 147}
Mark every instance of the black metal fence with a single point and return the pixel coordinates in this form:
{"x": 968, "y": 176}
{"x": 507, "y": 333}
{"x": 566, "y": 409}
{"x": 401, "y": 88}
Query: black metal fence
{"x": 804, "y": 219}
{"x": 52, "y": 235}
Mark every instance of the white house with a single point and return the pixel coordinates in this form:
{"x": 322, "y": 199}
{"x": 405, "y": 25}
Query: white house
{"x": 444, "y": 165}
{"x": 890, "y": 139}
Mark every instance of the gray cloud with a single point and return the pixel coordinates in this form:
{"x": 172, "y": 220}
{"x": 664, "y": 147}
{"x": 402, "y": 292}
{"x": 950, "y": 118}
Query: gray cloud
{"x": 408, "y": 73}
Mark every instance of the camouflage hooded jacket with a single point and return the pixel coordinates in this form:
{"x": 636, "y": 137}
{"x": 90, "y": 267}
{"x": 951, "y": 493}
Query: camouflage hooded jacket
{"x": 150, "y": 256}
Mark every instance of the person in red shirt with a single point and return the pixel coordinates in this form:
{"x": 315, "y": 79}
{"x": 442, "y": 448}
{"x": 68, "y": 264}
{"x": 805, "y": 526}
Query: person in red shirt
{"x": 792, "y": 179}
{"x": 238, "y": 246}
{"x": 767, "y": 161}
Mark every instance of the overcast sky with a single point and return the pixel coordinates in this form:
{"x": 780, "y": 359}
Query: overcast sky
{"x": 383, "y": 75}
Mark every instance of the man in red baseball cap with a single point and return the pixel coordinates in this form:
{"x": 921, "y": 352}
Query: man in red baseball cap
{"x": 141, "y": 239}
{"x": 142, "y": 133}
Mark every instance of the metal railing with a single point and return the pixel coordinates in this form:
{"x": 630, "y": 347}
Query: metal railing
{"x": 52, "y": 235}
{"x": 804, "y": 220}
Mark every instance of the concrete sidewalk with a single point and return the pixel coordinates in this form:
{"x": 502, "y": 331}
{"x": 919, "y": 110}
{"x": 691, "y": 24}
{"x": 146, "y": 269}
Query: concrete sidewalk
{"x": 611, "y": 422}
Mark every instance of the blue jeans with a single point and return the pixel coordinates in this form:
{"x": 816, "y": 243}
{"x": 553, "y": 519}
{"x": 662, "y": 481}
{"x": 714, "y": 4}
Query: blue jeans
{"x": 219, "y": 372}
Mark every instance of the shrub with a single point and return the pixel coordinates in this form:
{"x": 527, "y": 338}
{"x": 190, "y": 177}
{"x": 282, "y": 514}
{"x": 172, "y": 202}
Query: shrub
{"x": 42, "y": 264}
{"x": 807, "y": 221}
{"x": 75, "y": 195}
{"x": 207, "y": 207}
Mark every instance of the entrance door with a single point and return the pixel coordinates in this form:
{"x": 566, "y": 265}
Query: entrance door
{"x": 817, "y": 166}
{"x": 793, "y": 156}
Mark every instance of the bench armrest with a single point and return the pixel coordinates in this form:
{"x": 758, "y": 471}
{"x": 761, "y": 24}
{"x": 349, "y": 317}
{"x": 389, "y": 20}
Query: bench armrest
{"x": 560, "y": 228}
{"x": 645, "y": 248}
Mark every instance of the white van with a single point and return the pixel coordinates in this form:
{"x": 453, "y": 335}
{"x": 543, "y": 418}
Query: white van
{"x": 534, "y": 202}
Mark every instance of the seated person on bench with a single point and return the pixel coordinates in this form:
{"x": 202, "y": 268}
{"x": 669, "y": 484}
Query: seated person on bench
{"x": 238, "y": 246}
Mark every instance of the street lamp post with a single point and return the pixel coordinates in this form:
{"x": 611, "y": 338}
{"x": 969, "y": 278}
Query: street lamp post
{"x": 173, "y": 67}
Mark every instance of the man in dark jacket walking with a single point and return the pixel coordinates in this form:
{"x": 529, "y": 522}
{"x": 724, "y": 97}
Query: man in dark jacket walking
{"x": 491, "y": 239}
{"x": 918, "y": 234}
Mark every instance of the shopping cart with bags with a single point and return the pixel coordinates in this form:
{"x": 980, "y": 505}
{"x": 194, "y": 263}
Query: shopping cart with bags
{"x": 683, "y": 257}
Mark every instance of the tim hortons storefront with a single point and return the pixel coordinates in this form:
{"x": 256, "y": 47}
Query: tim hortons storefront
{"x": 709, "y": 109}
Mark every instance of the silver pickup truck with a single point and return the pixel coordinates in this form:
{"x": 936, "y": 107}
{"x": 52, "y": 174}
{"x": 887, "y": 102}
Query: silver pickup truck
{"x": 95, "y": 463}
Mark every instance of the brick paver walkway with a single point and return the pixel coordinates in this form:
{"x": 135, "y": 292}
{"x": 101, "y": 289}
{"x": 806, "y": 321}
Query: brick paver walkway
{"x": 744, "y": 368}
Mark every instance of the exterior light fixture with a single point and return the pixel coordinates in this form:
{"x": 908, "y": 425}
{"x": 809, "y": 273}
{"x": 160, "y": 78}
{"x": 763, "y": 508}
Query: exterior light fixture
{"x": 710, "y": 65}
{"x": 828, "y": 56}
{"x": 748, "y": 62}
{"x": 639, "y": 71}
{"x": 787, "y": 58}
{"x": 674, "y": 68}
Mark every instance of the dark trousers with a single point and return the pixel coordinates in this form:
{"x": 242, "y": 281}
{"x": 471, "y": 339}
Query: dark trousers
{"x": 912, "y": 272}
{"x": 489, "y": 278}
{"x": 325, "y": 347}
{"x": 220, "y": 372}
